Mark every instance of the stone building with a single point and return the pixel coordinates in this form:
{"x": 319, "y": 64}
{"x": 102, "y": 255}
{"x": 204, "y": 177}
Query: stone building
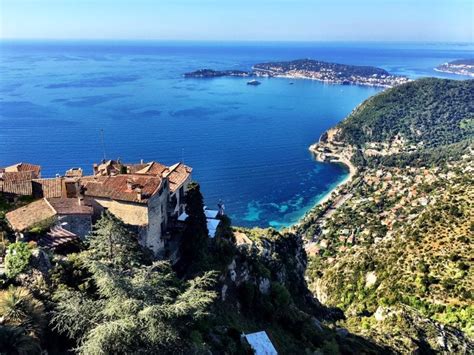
{"x": 16, "y": 180}
{"x": 145, "y": 195}
{"x": 72, "y": 214}
{"x": 138, "y": 200}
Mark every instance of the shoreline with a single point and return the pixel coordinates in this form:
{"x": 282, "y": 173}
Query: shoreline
{"x": 454, "y": 72}
{"x": 340, "y": 160}
{"x": 329, "y": 82}
{"x": 335, "y": 159}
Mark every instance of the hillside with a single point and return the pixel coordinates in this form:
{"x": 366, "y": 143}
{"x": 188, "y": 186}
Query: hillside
{"x": 396, "y": 257}
{"x": 428, "y": 112}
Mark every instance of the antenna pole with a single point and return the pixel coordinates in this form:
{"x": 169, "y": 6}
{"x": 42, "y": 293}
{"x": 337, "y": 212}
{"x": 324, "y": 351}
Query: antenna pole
{"x": 102, "y": 140}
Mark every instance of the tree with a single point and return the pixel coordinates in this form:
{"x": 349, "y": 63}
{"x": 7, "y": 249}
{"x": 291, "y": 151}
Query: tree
{"x": 112, "y": 242}
{"x": 131, "y": 307}
{"x": 195, "y": 236}
{"x": 19, "y": 308}
{"x": 224, "y": 229}
{"x": 17, "y": 259}
{"x": 146, "y": 310}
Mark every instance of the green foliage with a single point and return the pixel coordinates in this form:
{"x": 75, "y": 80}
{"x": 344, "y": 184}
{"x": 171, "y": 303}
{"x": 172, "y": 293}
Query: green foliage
{"x": 17, "y": 259}
{"x": 432, "y": 111}
{"x": 20, "y": 309}
{"x": 113, "y": 243}
{"x": 195, "y": 235}
{"x": 110, "y": 302}
{"x": 145, "y": 308}
{"x": 280, "y": 295}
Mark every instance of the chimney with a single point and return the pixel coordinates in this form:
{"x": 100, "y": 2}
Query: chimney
{"x": 139, "y": 193}
{"x": 130, "y": 184}
{"x": 80, "y": 194}
{"x": 141, "y": 161}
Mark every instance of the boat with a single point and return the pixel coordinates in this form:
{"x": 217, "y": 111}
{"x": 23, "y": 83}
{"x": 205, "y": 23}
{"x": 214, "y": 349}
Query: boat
{"x": 253, "y": 82}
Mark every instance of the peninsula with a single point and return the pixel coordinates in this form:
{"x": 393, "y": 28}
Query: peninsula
{"x": 332, "y": 73}
{"x": 209, "y": 73}
{"x": 459, "y": 67}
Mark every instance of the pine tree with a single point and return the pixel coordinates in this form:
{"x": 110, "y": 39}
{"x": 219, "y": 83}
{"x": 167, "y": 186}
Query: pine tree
{"x": 146, "y": 310}
{"x": 112, "y": 242}
{"x": 195, "y": 236}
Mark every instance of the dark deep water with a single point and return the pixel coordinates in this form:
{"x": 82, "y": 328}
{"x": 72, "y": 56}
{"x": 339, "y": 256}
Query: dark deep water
{"x": 247, "y": 145}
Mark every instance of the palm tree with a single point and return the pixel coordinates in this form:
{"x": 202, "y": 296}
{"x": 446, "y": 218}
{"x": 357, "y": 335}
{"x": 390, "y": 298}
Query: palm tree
{"x": 18, "y": 308}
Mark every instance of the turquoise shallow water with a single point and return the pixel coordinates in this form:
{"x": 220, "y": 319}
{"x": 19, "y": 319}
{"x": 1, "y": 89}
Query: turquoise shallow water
{"x": 247, "y": 145}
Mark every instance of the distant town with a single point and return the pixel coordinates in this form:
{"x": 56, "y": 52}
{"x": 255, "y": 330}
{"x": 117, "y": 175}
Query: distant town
{"x": 460, "y": 67}
{"x": 332, "y": 73}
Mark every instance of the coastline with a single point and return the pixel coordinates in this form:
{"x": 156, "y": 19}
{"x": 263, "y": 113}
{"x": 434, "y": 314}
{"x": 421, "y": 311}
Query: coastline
{"x": 454, "y": 72}
{"x": 330, "y": 82}
{"x": 335, "y": 158}
{"x": 341, "y": 160}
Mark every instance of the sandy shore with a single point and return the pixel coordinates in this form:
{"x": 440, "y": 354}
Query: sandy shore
{"x": 337, "y": 159}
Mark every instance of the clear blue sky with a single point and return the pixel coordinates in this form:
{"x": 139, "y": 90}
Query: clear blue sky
{"x": 307, "y": 20}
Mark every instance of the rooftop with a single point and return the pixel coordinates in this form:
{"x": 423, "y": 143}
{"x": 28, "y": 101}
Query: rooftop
{"x": 261, "y": 343}
{"x": 16, "y": 182}
{"x": 58, "y": 237}
{"x": 65, "y": 206}
{"x": 24, "y": 167}
{"x": 39, "y": 211}
{"x": 177, "y": 174}
{"x": 127, "y": 187}
{"x": 153, "y": 168}
{"x": 29, "y": 216}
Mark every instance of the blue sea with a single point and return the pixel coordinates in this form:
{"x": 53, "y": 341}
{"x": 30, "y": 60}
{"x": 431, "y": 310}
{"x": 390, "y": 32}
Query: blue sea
{"x": 248, "y": 145}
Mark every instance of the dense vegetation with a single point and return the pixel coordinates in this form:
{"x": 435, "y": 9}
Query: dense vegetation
{"x": 113, "y": 297}
{"x": 427, "y": 112}
{"x": 343, "y": 70}
{"x": 396, "y": 257}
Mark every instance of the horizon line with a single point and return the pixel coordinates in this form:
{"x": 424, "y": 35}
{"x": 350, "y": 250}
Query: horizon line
{"x": 236, "y": 40}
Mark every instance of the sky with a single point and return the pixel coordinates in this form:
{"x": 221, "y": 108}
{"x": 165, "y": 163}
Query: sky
{"x": 242, "y": 20}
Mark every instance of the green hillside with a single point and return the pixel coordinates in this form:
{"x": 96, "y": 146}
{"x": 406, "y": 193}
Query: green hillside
{"x": 396, "y": 257}
{"x": 431, "y": 111}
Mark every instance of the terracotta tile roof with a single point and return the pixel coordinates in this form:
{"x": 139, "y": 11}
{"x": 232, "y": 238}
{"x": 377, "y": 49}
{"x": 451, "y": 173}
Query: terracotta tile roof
{"x": 109, "y": 167}
{"x": 128, "y": 187}
{"x": 16, "y": 182}
{"x": 64, "y": 206}
{"x": 153, "y": 168}
{"x": 177, "y": 174}
{"x": 74, "y": 172}
{"x": 28, "y": 216}
{"x": 47, "y": 187}
{"x": 133, "y": 168}
{"x": 22, "y": 167}
{"x": 57, "y": 237}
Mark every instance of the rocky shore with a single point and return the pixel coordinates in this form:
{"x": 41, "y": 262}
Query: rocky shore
{"x": 328, "y": 149}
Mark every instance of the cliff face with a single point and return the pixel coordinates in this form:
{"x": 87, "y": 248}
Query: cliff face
{"x": 263, "y": 287}
{"x": 395, "y": 255}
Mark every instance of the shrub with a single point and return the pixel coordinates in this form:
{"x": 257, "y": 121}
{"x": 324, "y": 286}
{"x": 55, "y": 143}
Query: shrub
{"x": 17, "y": 259}
{"x": 280, "y": 295}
